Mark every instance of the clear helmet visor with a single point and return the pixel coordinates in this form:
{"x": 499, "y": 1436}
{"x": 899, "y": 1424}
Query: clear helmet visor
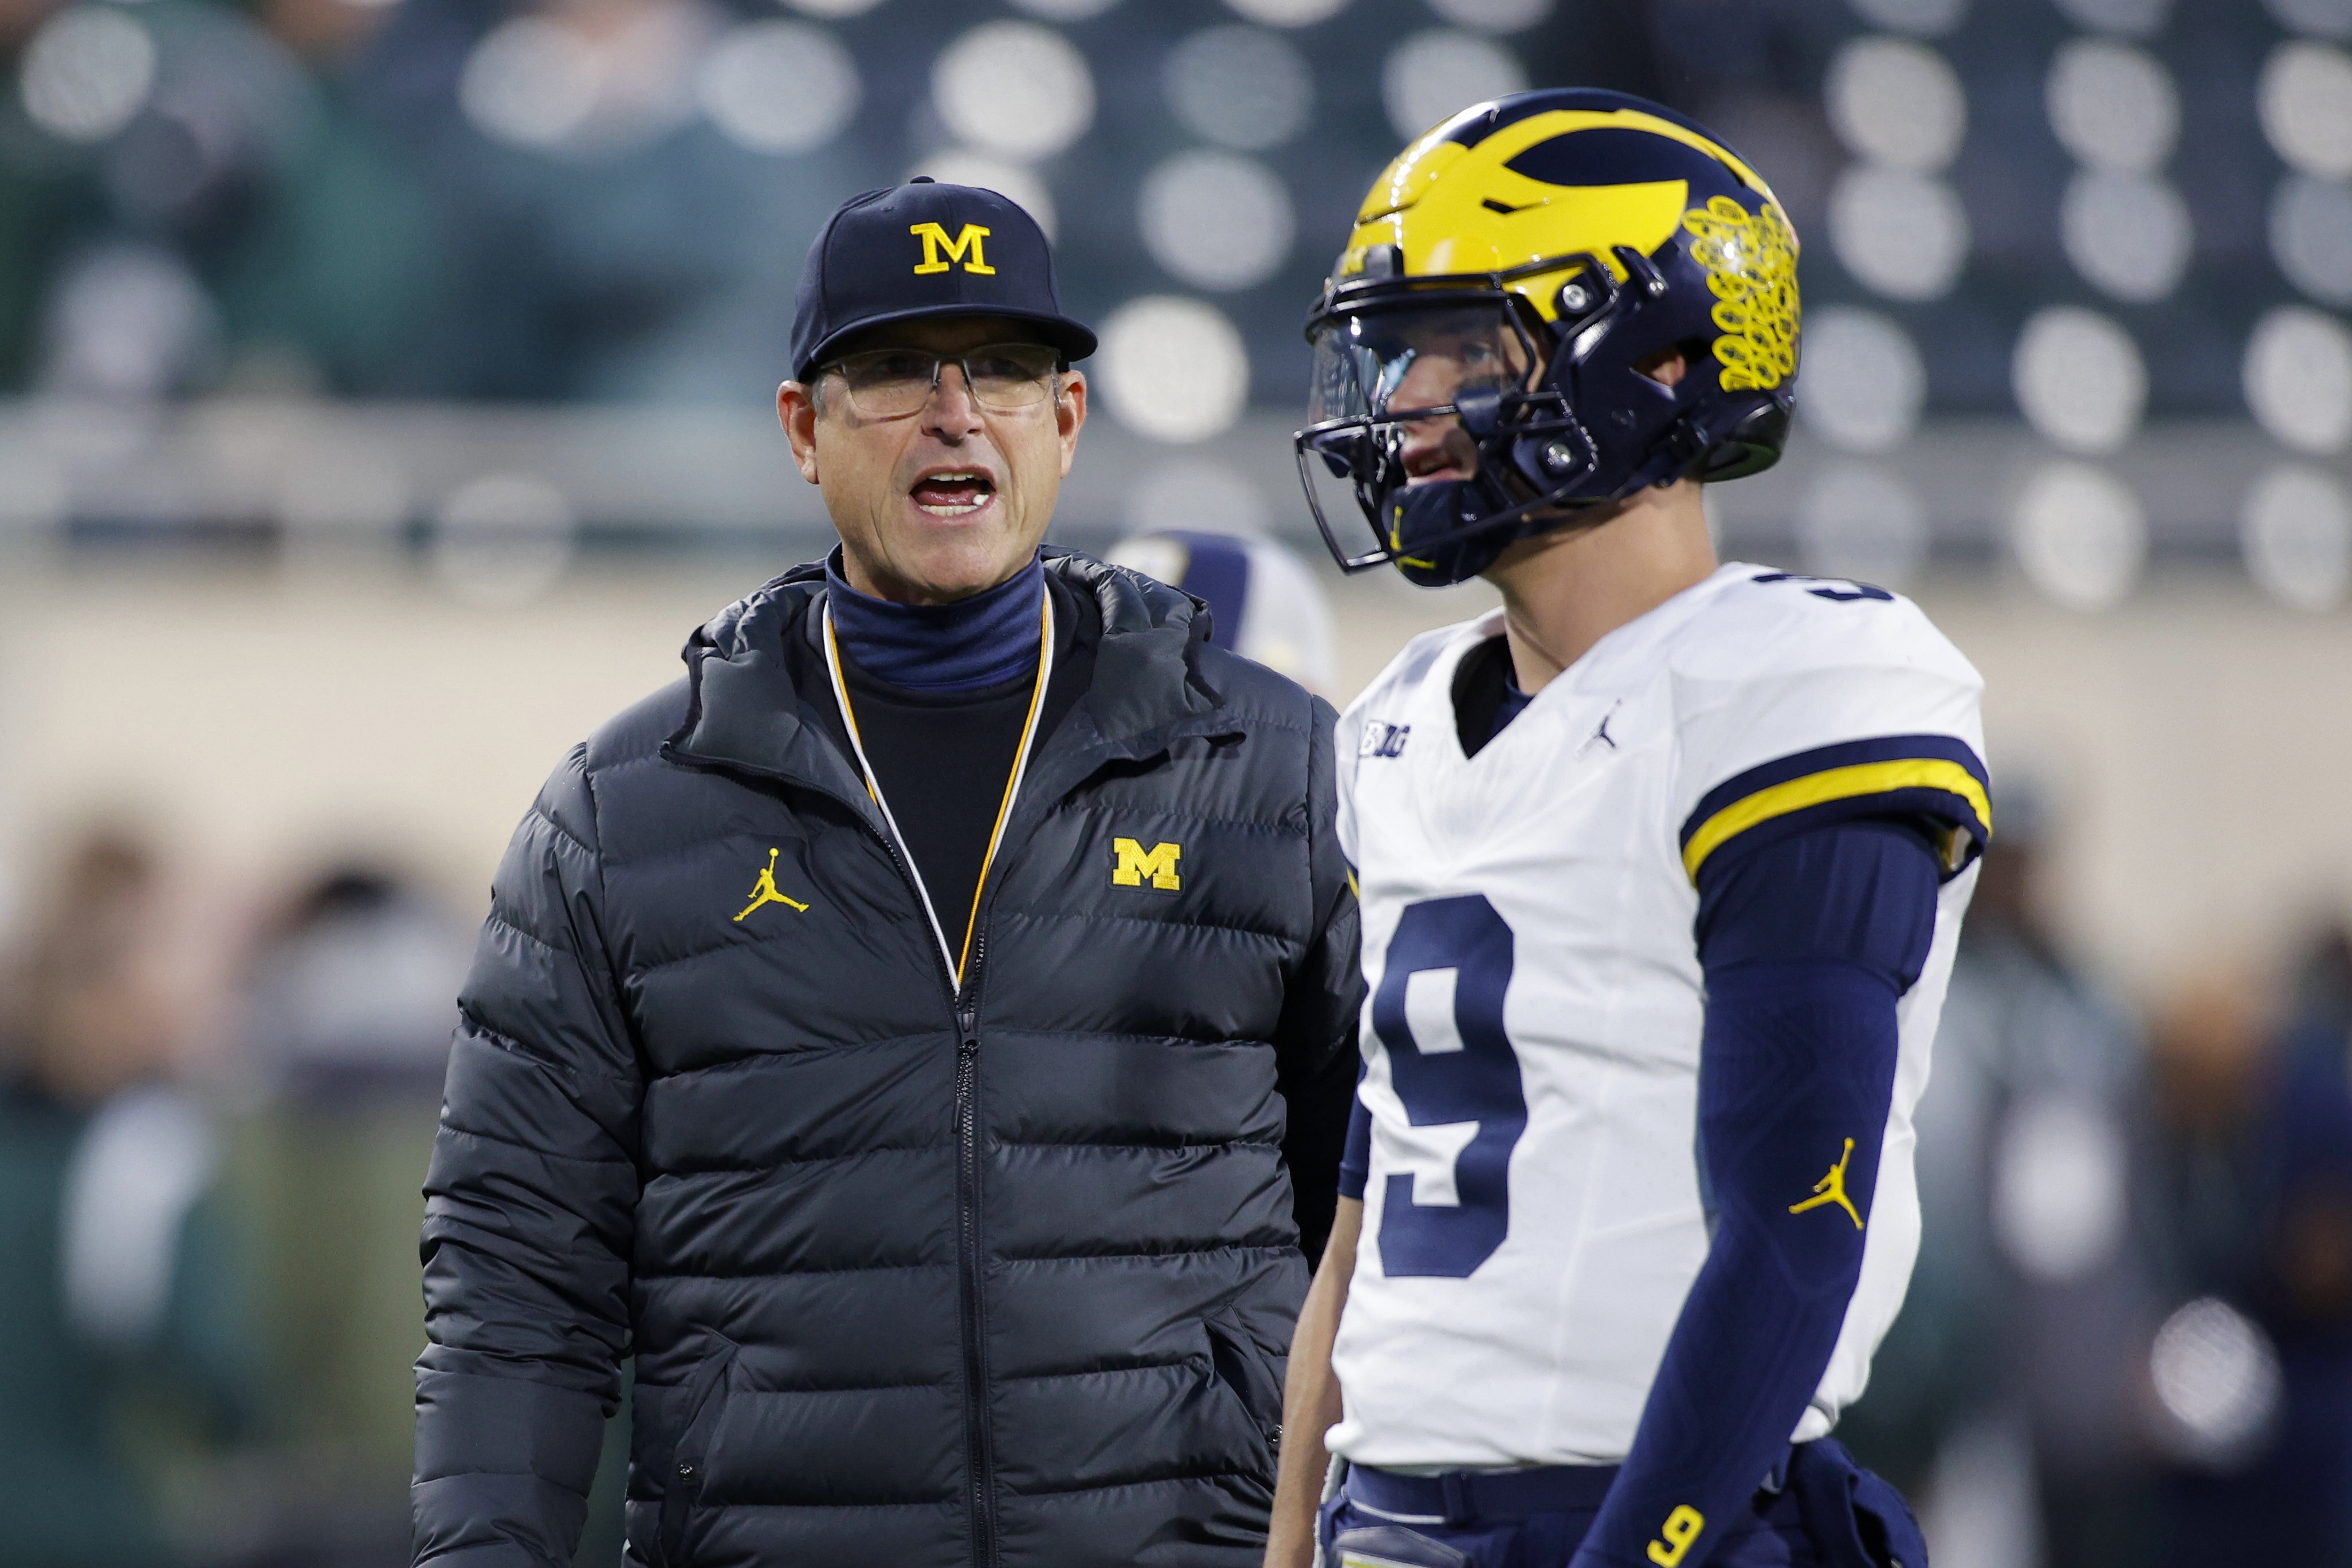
{"x": 1410, "y": 391}
{"x": 1386, "y": 362}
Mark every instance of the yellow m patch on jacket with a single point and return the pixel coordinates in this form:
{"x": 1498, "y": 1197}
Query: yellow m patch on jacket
{"x": 1136, "y": 865}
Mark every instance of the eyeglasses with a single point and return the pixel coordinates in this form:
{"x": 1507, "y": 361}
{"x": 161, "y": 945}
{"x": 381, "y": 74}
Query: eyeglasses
{"x": 1002, "y": 378}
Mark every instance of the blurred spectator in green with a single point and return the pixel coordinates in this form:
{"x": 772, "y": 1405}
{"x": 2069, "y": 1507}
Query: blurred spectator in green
{"x": 123, "y": 1301}
{"x": 600, "y": 234}
{"x": 186, "y": 206}
{"x": 2008, "y": 1387}
{"x": 393, "y": 199}
{"x": 334, "y": 278}
{"x": 351, "y": 999}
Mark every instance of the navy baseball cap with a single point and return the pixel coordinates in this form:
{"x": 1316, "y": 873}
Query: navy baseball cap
{"x": 926, "y": 249}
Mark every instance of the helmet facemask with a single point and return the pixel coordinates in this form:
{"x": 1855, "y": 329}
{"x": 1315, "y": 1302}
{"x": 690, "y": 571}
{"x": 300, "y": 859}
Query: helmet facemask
{"x": 1413, "y": 379}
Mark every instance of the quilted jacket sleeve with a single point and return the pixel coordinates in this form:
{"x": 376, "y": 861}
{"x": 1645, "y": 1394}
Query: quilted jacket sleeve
{"x": 528, "y": 1214}
{"x": 1317, "y": 1046}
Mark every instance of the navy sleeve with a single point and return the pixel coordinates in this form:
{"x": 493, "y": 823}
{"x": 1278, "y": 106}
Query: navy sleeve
{"x": 1316, "y": 1058}
{"x": 1858, "y": 892}
{"x": 1356, "y": 1159}
{"x": 1807, "y": 941}
{"x": 1315, "y": 1136}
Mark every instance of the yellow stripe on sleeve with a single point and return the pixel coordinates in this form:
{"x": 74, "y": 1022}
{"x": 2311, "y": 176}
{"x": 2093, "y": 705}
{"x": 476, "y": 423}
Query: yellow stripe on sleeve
{"x": 1832, "y": 784}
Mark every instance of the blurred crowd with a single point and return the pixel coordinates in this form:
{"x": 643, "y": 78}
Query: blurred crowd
{"x": 555, "y": 200}
{"x": 2128, "y": 1342}
{"x": 289, "y": 198}
{"x": 2129, "y": 1337}
{"x": 210, "y": 1157}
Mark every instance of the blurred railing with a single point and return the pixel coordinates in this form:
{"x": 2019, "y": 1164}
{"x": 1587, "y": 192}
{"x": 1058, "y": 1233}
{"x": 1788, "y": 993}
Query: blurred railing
{"x": 506, "y": 493}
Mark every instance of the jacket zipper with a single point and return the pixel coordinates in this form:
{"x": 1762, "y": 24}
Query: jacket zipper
{"x": 963, "y": 1004}
{"x": 979, "y": 1454}
{"x": 962, "y": 971}
{"x": 980, "y": 1458}
{"x": 964, "y": 1007}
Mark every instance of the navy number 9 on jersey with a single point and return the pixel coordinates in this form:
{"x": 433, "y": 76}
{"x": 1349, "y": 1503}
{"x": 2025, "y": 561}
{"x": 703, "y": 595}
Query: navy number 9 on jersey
{"x": 1465, "y": 1074}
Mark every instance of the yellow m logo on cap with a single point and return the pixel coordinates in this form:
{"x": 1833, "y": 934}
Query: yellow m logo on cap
{"x": 1136, "y": 864}
{"x": 964, "y": 248}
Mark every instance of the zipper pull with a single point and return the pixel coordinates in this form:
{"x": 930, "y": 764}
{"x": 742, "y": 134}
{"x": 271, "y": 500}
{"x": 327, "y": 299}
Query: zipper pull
{"x": 967, "y": 1020}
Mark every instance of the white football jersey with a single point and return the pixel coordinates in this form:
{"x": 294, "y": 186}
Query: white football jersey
{"x": 1533, "y": 1216}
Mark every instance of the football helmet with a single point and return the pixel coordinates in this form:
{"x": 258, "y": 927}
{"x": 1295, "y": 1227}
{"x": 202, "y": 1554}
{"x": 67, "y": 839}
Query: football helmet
{"x": 1508, "y": 277}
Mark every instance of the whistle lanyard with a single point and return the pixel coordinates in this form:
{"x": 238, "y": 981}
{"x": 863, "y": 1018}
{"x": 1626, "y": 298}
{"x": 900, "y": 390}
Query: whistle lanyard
{"x": 954, "y": 957}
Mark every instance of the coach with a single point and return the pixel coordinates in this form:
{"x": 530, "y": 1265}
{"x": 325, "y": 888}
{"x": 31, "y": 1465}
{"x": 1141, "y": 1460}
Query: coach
{"x": 895, "y": 1033}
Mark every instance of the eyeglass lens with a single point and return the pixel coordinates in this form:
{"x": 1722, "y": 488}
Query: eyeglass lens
{"x": 887, "y": 384}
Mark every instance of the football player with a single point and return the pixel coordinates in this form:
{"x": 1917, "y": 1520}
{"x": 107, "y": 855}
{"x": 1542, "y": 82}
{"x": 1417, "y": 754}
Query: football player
{"x": 1662, "y": 866}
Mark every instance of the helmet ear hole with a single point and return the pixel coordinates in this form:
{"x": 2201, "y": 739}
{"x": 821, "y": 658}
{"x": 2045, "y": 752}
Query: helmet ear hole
{"x": 1695, "y": 354}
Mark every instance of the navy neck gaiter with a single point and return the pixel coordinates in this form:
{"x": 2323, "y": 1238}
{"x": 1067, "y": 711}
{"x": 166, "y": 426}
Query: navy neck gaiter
{"x": 984, "y": 641}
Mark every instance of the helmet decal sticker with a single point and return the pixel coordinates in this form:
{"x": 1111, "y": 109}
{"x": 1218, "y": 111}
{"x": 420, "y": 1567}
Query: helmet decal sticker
{"x": 1751, "y": 268}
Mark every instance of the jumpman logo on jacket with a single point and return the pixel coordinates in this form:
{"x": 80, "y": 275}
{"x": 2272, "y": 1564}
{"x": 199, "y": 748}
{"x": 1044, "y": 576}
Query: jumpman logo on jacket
{"x": 1830, "y": 1188}
{"x": 764, "y": 891}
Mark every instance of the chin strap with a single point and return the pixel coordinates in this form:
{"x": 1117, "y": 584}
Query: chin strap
{"x": 1432, "y": 511}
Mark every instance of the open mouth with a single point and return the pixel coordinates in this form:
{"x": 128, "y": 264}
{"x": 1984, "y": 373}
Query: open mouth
{"x": 953, "y": 492}
{"x": 1452, "y": 455}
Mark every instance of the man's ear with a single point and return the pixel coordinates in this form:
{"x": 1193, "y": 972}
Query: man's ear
{"x": 1070, "y": 415}
{"x": 796, "y": 411}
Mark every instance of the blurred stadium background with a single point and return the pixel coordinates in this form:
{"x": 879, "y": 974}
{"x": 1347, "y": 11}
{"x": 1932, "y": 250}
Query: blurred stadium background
{"x": 384, "y": 394}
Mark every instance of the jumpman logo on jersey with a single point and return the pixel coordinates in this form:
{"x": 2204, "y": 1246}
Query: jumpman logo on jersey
{"x": 1601, "y": 733}
{"x": 764, "y": 891}
{"x": 1830, "y": 1188}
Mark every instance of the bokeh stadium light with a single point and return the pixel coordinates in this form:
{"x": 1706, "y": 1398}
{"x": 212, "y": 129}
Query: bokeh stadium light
{"x": 2075, "y": 269}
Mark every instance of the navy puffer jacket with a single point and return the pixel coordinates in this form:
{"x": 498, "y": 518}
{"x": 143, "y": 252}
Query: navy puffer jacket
{"x": 912, "y": 1276}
